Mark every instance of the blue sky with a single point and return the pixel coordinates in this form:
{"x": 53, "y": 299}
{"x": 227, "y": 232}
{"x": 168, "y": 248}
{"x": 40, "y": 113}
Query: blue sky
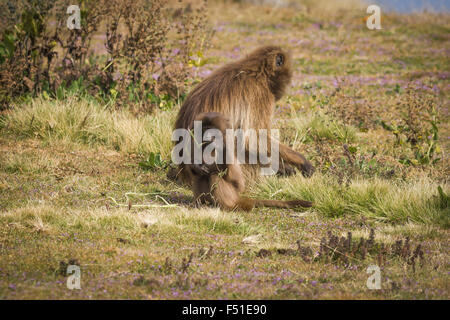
{"x": 407, "y": 6}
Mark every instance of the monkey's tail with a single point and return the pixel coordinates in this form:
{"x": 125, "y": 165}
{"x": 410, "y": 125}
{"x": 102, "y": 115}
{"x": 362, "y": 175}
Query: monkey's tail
{"x": 283, "y": 204}
{"x": 247, "y": 203}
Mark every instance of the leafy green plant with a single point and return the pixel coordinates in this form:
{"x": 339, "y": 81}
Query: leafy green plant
{"x": 443, "y": 198}
{"x": 26, "y": 49}
{"x": 7, "y": 46}
{"x": 152, "y": 45}
{"x": 153, "y": 161}
{"x": 417, "y": 128}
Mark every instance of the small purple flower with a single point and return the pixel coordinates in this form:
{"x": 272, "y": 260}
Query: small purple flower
{"x": 155, "y": 76}
{"x": 205, "y": 73}
{"x": 67, "y": 62}
{"x": 117, "y": 76}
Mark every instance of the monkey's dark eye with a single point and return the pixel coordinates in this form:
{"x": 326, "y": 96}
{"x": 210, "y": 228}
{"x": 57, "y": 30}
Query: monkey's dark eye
{"x": 279, "y": 60}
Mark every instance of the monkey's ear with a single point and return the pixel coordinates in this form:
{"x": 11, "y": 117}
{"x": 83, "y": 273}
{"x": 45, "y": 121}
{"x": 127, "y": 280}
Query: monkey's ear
{"x": 279, "y": 60}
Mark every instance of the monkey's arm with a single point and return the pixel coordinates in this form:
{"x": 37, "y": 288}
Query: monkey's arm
{"x": 293, "y": 157}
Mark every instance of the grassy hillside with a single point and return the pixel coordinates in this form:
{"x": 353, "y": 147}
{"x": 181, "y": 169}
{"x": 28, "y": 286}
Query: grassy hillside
{"x": 79, "y": 183}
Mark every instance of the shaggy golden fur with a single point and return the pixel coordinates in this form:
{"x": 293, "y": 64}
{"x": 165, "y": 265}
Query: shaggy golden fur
{"x": 245, "y": 92}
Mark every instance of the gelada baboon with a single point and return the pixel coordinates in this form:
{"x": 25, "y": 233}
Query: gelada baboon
{"x": 245, "y": 93}
{"x": 220, "y": 184}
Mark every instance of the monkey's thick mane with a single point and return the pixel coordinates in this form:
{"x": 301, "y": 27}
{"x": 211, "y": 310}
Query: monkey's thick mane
{"x": 246, "y": 90}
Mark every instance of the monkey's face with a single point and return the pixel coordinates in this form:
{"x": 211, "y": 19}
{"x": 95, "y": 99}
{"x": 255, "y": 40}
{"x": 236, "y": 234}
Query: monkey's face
{"x": 279, "y": 63}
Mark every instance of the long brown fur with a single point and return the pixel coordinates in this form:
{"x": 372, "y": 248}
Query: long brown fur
{"x": 245, "y": 92}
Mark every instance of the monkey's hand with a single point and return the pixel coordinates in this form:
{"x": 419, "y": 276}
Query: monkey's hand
{"x": 286, "y": 170}
{"x": 307, "y": 169}
{"x": 204, "y": 169}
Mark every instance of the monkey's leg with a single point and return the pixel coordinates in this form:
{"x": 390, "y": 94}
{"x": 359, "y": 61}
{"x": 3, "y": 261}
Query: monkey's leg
{"x": 235, "y": 177}
{"x": 293, "y": 157}
{"x": 226, "y": 186}
{"x": 225, "y": 194}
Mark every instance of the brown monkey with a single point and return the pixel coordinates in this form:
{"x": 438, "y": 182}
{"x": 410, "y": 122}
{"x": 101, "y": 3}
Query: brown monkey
{"x": 245, "y": 91}
{"x": 220, "y": 184}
